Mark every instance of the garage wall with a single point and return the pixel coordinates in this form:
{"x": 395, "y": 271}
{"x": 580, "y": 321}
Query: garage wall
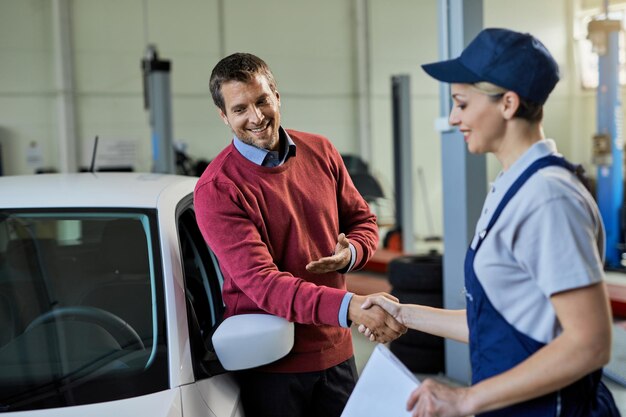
{"x": 309, "y": 45}
{"x": 402, "y": 38}
{"x": 311, "y": 48}
{"x": 27, "y": 99}
{"x": 110, "y": 40}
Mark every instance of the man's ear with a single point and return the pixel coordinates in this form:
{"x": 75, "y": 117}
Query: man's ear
{"x": 277, "y": 96}
{"x": 509, "y": 104}
{"x": 223, "y": 116}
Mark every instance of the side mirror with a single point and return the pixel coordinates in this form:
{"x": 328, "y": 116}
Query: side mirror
{"x": 250, "y": 340}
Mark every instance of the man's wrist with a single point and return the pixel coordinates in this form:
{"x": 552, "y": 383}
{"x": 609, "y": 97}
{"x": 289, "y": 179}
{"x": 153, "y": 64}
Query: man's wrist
{"x": 344, "y": 310}
{"x": 355, "y": 308}
{"x": 352, "y": 261}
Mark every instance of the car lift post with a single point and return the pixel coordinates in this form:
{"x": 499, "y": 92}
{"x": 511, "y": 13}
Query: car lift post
{"x": 403, "y": 157}
{"x": 464, "y": 176}
{"x": 158, "y": 99}
{"x": 608, "y": 142}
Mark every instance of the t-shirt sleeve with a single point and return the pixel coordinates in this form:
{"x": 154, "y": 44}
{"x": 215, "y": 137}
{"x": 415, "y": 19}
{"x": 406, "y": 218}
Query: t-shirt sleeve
{"x": 557, "y": 245}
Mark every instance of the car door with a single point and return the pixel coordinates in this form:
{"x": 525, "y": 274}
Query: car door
{"x": 214, "y": 391}
{"x": 83, "y": 314}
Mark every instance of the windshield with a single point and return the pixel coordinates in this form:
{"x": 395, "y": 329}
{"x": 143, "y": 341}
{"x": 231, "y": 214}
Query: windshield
{"x": 81, "y": 311}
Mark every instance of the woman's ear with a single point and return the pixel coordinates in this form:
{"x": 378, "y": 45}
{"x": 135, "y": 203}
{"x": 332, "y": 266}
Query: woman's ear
{"x": 509, "y": 104}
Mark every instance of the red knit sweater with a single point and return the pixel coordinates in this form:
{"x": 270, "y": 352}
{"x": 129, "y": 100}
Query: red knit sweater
{"x": 265, "y": 224}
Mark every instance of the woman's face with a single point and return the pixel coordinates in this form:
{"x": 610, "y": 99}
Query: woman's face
{"x": 477, "y": 117}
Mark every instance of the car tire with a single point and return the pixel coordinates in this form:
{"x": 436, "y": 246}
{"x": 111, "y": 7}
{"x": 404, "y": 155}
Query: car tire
{"x": 432, "y": 299}
{"x": 421, "y": 340}
{"x": 418, "y": 272}
{"x": 424, "y": 288}
{"x": 419, "y": 359}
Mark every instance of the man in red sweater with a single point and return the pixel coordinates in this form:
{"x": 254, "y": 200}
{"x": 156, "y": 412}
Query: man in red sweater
{"x": 282, "y": 215}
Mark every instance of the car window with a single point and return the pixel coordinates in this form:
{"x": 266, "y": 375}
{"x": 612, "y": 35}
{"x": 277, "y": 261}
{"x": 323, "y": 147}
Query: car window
{"x": 203, "y": 292}
{"x": 81, "y": 308}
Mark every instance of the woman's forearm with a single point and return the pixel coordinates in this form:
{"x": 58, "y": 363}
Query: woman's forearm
{"x": 583, "y": 347}
{"x": 450, "y": 324}
{"x": 555, "y": 366}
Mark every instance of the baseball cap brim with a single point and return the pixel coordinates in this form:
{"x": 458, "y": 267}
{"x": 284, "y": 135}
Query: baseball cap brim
{"x": 451, "y": 71}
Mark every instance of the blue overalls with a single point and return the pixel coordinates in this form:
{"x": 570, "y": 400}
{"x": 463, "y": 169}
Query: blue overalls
{"x": 496, "y": 346}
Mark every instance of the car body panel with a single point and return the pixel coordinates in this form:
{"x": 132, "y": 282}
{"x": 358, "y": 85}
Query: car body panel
{"x": 212, "y": 397}
{"x": 181, "y": 371}
{"x": 96, "y": 189}
{"x": 160, "y": 404}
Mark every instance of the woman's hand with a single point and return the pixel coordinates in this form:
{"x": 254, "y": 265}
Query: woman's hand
{"x": 381, "y": 325}
{"x": 433, "y": 399}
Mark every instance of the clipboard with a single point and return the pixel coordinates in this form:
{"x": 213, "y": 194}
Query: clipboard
{"x": 383, "y": 387}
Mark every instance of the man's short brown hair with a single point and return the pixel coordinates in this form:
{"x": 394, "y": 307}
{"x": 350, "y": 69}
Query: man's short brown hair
{"x": 239, "y": 66}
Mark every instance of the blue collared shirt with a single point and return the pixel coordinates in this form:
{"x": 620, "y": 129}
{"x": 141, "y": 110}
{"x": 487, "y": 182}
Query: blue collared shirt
{"x": 267, "y": 158}
{"x": 264, "y": 157}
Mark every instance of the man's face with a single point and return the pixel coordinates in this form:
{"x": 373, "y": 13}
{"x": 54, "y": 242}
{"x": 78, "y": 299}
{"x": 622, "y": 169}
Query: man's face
{"x": 252, "y": 112}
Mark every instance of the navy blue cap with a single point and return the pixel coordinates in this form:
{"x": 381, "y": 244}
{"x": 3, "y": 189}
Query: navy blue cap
{"x": 516, "y": 61}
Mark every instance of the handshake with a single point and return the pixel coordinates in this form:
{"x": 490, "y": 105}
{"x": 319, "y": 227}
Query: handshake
{"x": 378, "y": 316}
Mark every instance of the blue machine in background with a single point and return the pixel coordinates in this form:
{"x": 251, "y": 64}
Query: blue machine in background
{"x": 608, "y": 142}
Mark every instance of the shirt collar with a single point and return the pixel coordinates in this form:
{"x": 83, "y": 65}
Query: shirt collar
{"x": 260, "y": 156}
{"x": 505, "y": 179}
{"x": 538, "y": 150}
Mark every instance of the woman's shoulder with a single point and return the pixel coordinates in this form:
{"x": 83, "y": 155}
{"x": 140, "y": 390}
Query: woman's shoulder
{"x": 555, "y": 189}
{"x": 555, "y": 182}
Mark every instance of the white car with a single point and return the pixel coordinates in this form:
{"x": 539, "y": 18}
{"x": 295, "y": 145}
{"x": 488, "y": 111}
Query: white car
{"x": 109, "y": 298}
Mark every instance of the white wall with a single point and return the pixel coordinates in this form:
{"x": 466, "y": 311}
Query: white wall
{"x": 311, "y": 48}
{"x": 110, "y": 40}
{"x": 402, "y": 38}
{"x": 27, "y": 102}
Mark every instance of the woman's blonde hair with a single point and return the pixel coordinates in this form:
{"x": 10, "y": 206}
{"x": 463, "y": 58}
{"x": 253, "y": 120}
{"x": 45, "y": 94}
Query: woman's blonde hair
{"x": 527, "y": 110}
{"x": 489, "y": 89}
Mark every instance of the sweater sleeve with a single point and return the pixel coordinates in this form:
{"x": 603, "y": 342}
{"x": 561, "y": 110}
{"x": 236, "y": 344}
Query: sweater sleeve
{"x": 355, "y": 217}
{"x": 231, "y": 233}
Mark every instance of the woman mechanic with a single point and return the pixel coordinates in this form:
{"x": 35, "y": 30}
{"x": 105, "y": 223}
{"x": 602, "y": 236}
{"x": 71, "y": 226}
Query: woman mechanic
{"x": 537, "y": 316}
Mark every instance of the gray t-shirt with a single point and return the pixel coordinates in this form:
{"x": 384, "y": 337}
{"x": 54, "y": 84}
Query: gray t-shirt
{"x": 548, "y": 239}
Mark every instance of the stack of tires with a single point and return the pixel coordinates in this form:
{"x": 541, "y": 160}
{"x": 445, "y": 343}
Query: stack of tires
{"x": 419, "y": 280}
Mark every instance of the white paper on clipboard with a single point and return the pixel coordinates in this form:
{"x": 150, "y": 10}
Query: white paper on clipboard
{"x": 383, "y": 387}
